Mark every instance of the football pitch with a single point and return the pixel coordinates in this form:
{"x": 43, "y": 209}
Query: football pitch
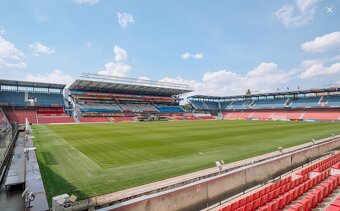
{"x": 94, "y": 159}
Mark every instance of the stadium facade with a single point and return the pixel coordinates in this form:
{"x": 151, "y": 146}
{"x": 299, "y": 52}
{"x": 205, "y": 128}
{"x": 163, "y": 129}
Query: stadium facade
{"x": 268, "y": 182}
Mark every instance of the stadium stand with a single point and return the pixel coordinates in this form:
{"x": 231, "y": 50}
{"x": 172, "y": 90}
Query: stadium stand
{"x": 47, "y": 99}
{"x": 302, "y": 191}
{"x": 51, "y": 111}
{"x": 129, "y": 107}
{"x": 123, "y": 99}
{"x": 331, "y": 100}
{"x": 304, "y": 102}
{"x": 56, "y": 119}
{"x": 269, "y": 103}
{"x": 93, "y": 119}
{"x": 311, "y": 105}
{"x": 169, "y": 109}
{"x": 38, "y": 102}
{"x": 147, "y": 108}
{"x": 12, "y": 98}
{"x": 322, "y": 115}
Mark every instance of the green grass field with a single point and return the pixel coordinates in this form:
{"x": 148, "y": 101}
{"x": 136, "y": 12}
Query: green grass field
{"x": 94, "y": 159}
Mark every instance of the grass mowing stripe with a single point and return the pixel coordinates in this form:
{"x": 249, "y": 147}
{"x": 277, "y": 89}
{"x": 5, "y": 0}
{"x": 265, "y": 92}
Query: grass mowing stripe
{"x": 94, "y": 159}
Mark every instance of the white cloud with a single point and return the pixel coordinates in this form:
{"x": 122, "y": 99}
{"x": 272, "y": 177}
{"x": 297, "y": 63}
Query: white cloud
{"x": 264, "y": 77}
{"x": 118, "y": 67}
{"x": 187, "y": 55}
{"x": 263, "y": 69}
{"x": 124, "y": 19}
{"x": 308, "y": 63}
{"x": 120, "y": 53}
{"x": 319, "y": 69}
{"x": 56, "y": 76}
{"x": 39, "y": 49}
{"x": 323, "y": 43}
{"x": 297, "y": 15}
{"x": 10, "y": 56}
{"x": 90, "y": 2}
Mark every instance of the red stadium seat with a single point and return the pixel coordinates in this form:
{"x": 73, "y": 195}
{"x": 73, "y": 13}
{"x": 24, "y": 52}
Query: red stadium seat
{"x": 275, "y": 193}
{"x": 310, "y": 184}
{"x": 287, "y": 187}
{"x": 274, "y": 206}
{"x": 305, "y": 187}
{"x": 263, "y": 200}
{"x": 326, "y": 189}
{"x": 248, "y": 207}
{"x": 234, "y": 205}
{"x": 256, "y": 195}
{"x": 227, "y": 208}
{"x": 288, "y": 197}
{"x": 298, "y": 207}
{"x": 300, "y": 190}
{"x": 295, "y": 194}
{"x": 332, "y": 208}
{"x": 264, "y": 208}
{"x": 242, "y": 202}
{"x": 240, "y": 209}
{"x": 256, "y": 204}
{"x": 313, "y": 198}
{"x": 249, "y": 199}
{"x": 262, "y": 193}
{"x": 281, "y": 190}
{"x": 282, "y": 202}
{"x": 307, "y": 204}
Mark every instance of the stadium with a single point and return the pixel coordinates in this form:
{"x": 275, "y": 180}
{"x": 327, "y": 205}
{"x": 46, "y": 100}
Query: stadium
{"x": 117, "y": 143}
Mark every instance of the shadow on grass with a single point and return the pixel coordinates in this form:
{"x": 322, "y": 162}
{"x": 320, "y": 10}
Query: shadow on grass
{"x": 56, "y": 185}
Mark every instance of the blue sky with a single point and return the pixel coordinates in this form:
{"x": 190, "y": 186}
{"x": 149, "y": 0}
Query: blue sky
{"x": 219, "y": 48}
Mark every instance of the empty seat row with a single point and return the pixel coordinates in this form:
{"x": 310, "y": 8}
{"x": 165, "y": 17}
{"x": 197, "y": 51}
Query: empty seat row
{"x": 317, "y": 195}
{"x": 261, "y": 197}
{"x": 322, "y": 165}
{"x": 335, "y": 205}
{"x": 280, "y": 192}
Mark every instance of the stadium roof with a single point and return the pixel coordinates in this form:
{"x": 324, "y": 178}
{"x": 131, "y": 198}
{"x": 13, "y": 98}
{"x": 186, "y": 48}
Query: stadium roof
{"x": 278, "y": 93}
{"x": 113, "y": 84}
{"x": 31, "y": 84}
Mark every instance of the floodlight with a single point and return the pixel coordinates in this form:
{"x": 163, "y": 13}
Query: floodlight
{"x": 313, "y": 141}
{"x": 23, "y": 193}
{"x": 29, "y": 199}
{"x": 31, "y": 196}
{"x": 222, "y": 162}
{"x": 218, "y": 163}
{"x": 280, "y": 149}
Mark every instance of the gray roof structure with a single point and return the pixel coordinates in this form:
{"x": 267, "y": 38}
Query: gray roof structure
{"x": 113, "y": 84}
{"x": 278, "y": 93}
{"x": 31, "y": 84}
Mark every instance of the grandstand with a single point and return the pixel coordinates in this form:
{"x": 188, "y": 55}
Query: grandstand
{"x": 311, "y": 105}
{"x": 98, "y": 98}
{"x": 39, "y": 102}
{"x": 314, "y": 183}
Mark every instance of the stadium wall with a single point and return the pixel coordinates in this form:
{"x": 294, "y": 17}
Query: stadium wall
{"x": 201, "y": 194}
